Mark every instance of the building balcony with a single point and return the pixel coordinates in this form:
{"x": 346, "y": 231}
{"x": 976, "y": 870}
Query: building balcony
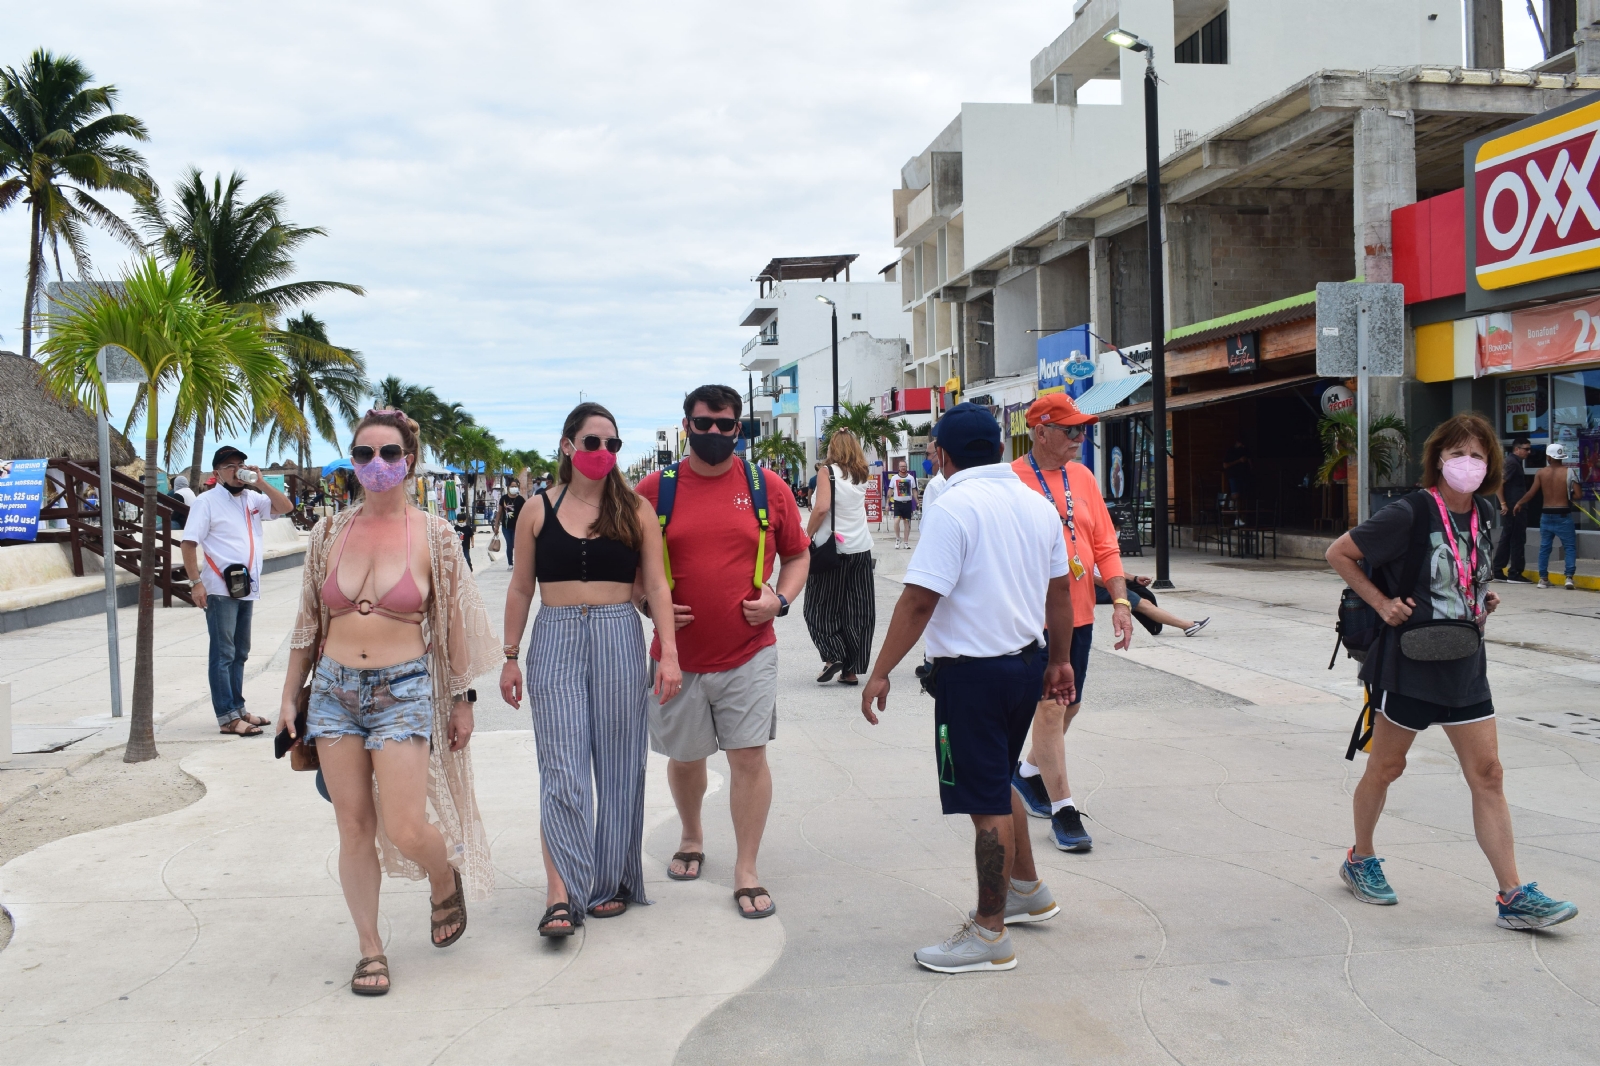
{"x": 752, "y": 358}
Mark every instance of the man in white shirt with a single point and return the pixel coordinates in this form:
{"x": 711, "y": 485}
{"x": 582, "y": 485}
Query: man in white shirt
{"x": 225, "y": 523}
{"x": 990, "y": 571}
{"x": 936, "y": 484}
{"x": 903, "y": 504}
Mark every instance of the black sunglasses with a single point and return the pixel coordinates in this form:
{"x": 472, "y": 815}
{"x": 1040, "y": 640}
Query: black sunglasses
{"x": 591, "y": 443}
{"x": 702, "y": 424}
{"x": 362, "y": 454}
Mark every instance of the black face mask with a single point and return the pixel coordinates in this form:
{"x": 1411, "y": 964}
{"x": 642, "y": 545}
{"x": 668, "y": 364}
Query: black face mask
{"x": 235, "y": 489}
{"x": 712, "y": 448}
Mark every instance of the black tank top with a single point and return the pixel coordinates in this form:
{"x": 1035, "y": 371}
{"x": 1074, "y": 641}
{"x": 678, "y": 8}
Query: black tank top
{"x": 562, "y": 557}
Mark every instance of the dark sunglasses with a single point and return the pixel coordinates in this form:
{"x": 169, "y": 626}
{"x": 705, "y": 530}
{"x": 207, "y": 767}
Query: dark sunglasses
{"x": 702, "y": 424}
{"x": 591, "y": 443}
{"x": 362, "y": 454}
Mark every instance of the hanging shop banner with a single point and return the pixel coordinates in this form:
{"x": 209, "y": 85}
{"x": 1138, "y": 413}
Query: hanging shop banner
{"x": 1539, "y": 337}
{"x": 1242, "y": 353}
{"x": 1016, "y": 420}
{"x": 874, "y": 501}
{"x": 1064, "y": 358}
{"x": 21, "y": 495}
{"x": 1532, "y": 192}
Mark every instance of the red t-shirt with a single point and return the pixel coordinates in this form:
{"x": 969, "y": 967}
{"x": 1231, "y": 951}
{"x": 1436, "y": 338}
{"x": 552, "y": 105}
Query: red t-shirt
{"x": 711, "y": 544}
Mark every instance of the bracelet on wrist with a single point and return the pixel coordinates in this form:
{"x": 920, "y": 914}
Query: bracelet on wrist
{"x": 1122, "y": 603}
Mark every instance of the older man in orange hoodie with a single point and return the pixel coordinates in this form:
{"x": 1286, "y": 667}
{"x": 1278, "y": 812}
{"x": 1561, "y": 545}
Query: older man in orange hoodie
{"x": 1052, "y": 469}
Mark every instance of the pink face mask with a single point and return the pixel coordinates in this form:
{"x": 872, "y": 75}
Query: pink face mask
{"x": 594, "y": 465}
{"x": 379, "y": 476}
{"x": 1464, "y": 473}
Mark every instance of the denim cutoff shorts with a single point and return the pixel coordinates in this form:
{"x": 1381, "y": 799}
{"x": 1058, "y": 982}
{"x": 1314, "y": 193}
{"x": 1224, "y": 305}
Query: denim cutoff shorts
{"x": 389, "y": 703}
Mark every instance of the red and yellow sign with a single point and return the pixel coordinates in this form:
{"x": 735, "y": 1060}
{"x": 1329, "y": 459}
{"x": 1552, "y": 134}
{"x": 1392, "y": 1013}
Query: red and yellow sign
{"x": 1534, "y": 204}
{"x": 1540, "y": 337}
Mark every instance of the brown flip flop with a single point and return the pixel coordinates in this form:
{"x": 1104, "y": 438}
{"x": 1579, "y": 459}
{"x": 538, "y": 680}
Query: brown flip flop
{"x": 751, "y": 894}
{"x": 232, "y": 729}
{"x": 686, "y": 857}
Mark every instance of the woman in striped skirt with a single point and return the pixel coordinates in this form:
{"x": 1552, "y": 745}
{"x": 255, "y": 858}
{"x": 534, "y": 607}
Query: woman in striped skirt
{"x": 840, "y": 603}
{"x": 582, "y": 543}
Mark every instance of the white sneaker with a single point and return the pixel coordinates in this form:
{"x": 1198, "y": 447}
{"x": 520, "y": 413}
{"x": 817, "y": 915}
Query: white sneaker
{"x": 1571, "y": 585}
{"x": 1197, "y": 627}
{"x": 972, "y": 947}
{"x": 1544, "y": 583}
{"x": 1025, "y": 908}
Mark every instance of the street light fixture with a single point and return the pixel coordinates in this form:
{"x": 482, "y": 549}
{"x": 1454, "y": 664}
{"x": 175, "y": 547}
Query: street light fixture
{"x": 1158, "y": 325}
{"x": 835, "y": 308}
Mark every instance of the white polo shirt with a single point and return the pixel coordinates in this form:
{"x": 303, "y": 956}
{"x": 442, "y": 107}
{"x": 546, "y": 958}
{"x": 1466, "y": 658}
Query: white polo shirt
{"x": 225, "y": 526}
{"x": 989, "y": 547}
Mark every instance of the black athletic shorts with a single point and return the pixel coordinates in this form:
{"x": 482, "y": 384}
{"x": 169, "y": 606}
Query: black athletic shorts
{"x": 1082, "y": 638}
{"x": 1408, "y": 712}
{"x": 903, "y": 508}
{"x": 984, "y": 708}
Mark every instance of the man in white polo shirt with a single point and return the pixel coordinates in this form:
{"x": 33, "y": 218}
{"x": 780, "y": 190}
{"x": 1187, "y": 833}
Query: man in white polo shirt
{"x": 990, "y": 569}
{"x": 225, "y": 522}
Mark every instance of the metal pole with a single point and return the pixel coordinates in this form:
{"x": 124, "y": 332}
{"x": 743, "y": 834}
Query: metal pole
{"x": 1363, "y": 418}
{"x": 108, "y": 548}
{"x": 1158, "y": 320}
{"x": 835, "y": 359}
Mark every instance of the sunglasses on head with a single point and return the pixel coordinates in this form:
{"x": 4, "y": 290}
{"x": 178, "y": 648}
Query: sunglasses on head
{"x": 362, "y": 454}
{"x": 702, "y": 424}
{"x": 592, "y": 442}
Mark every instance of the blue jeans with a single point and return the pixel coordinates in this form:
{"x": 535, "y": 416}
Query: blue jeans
{"x": 1552, "y": 526}
{"x": 228, "y": 622}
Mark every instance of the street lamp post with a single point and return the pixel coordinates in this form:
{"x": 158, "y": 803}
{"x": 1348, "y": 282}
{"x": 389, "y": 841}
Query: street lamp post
{"x": 1158, "y": 325}
{"x": 835, "y": 309}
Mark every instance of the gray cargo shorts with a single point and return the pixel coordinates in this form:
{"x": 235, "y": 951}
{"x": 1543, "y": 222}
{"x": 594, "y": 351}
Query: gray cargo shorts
{"x": 735, "y": 708}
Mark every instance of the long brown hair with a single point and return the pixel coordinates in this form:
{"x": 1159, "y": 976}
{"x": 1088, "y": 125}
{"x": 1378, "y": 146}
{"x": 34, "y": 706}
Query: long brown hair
{"x": 1454, "y": 431}
{"x": 619, "y": 504}
{"x": 845, "y": 452}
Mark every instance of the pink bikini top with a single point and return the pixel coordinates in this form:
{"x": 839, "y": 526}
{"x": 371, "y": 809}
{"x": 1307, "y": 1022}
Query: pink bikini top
{"x": 402, "y": 599}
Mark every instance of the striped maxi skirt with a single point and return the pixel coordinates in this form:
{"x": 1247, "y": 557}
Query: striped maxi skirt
{"x": 841, "y": 610}
{"x": 587, "y": 687}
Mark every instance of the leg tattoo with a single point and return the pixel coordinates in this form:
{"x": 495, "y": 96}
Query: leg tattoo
{"x": 991, "y": 855}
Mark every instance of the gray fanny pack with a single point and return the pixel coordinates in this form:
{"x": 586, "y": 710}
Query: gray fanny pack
{"x": 1443, "y": 640}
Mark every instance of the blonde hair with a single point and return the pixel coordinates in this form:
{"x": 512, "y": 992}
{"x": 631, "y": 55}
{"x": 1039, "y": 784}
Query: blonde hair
{"x": 844, "y": 451}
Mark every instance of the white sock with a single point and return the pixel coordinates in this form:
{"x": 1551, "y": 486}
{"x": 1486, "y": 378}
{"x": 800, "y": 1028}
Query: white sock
{"x": 1056, "y": 805}
{"x": 1027, "y": 888}
{"x": 1028, "y": 769}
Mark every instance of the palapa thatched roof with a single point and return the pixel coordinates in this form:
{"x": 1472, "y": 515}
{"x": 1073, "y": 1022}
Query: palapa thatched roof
{"x": 36, "y": 425}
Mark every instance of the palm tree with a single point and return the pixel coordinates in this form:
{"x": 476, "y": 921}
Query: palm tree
{"x": 205, "y": 354}
{"x": 776, "y": 449}
{"x": 322, "y": 381}
{"x": 471, "y": 445}
{"x": 243, "y": 252}
{"x": 61, "y": 142}
{"x": 869, "y": 427}
{"x": 1387, "y": 443}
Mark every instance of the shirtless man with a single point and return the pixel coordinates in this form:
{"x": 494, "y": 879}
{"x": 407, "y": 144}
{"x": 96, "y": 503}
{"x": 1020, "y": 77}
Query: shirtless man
{"x": 1558, "y": 483}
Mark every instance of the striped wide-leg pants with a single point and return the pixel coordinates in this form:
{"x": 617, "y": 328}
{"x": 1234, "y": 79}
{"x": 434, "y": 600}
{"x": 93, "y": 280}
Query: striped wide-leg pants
{"x": 587, "y": 687}
{"x": 841, "y": 609}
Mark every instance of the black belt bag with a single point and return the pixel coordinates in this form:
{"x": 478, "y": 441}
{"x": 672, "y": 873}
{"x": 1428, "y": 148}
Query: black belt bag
{"x": 1444, "y": 640}
{"x": 236, "y": 579}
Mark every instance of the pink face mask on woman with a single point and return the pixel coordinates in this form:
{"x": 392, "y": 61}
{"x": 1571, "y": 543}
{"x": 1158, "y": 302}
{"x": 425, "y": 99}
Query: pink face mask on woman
{"x": 379, "y": 476}
{"x": 594, "y": 465}
{"x": 1464, "y": 473}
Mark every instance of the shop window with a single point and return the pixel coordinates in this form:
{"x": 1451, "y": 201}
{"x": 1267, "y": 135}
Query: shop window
{"x": 1524, "y": 406}
{"x": 1575, "y": 406}
{"x": 1201, "y": 31}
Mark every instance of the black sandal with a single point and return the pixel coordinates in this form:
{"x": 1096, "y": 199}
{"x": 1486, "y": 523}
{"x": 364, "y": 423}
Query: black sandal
{"x": 557, "y": 912}
{"x": 828, "y": 670}
{"x": 622, "y": 901}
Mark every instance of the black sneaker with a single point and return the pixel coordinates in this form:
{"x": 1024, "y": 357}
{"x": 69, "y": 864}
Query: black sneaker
{"x": 1516, "y": 578}
{"x": 1032, "y": 790}
{"x": 1067, "y": 825}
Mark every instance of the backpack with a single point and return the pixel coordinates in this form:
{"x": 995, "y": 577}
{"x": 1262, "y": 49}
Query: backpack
{"x": 666, "y": 496}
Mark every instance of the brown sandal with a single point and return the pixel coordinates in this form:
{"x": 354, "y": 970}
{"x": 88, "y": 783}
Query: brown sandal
{"x": 371, "y": 966}
{"x": 239, "y": 727}
{"x": 686, "y": 857}
{"x": 455, "y": 913}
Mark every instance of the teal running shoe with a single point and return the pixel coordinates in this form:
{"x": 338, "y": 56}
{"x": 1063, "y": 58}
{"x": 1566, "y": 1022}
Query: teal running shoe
{"x": 1528, "y": 908}
{"x": 1366, "y": 880}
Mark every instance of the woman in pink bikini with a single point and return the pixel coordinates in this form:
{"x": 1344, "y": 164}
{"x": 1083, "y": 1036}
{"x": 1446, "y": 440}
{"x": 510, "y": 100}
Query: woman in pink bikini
{"x": 393, "y": 623}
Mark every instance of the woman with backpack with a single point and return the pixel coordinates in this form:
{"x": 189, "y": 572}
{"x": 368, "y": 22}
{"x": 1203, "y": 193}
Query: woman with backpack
{"x": 1429, "y": 556}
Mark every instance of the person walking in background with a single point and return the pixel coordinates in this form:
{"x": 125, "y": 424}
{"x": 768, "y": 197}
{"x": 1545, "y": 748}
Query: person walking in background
{"x": 1557, "y": 484}
{"x": 466, "y": 527}
{"x": 1511, "y": 554}
{"x": 225, "y": 523}
{"x": 1430, "y": 551}
{"x": 902, "y": 503}
{"x": 719, "y": 547}
{"x": 393, "y": 631}
{"x": 1052, "y": 470}
{"x": 584, "y": 553}
{"x": 506, "y": 521}
{"x": 935, "y": 485}
{"x": 841, "y": 604}
{"x": 990, "y": 571}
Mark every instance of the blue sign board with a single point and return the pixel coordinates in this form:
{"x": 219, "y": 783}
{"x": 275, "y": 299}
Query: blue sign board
{"x": 1064, "y": 358}
{"x": 21, "y": 495}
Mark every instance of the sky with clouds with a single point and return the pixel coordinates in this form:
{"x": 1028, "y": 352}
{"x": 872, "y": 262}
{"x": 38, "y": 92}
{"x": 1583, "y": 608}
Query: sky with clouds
{"x": 548, "y": 198}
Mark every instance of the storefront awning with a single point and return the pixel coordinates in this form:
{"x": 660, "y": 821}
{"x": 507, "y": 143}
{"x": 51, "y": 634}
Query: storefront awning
{"x": 1214, "y": 396}
{"x": 1104, "y": 395}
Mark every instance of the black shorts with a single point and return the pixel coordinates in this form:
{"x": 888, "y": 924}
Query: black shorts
{"x": 985, "y": 707}
{"x": 1408, "y": 712}
{"x": 1082, "y": 638}
{"x": 903, "y": 508}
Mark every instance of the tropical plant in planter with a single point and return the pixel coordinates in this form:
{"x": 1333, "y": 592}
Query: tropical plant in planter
{"x": 1388, "y": 440}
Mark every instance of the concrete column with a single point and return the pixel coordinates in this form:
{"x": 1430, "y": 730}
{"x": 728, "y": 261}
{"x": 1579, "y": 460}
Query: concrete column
{"x": 1587, "y": 37}
{"x": 1187, "y": 251}
{"x": 1486, "y": 41}
{"x": 1100, "y": 306}
{"x": 1385, "y": 178}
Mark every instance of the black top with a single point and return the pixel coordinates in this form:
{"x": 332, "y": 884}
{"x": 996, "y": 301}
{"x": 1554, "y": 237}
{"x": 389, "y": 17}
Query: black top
{"x": 1517, "y": 479}
{"x": 511, "y": 508}
{"x": 559, "y": 556}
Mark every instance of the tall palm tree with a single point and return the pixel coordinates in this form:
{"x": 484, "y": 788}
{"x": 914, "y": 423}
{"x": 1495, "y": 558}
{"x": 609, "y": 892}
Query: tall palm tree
{"x": 201, "y": 352}
{"x": 243, "y": 252}
{"x": 322, "y": 381}
{"x": 61, "y": 142}
{"x": 870, "y": 428}
{"x": 471, "y": 445}
{"x": 778, "y": 449}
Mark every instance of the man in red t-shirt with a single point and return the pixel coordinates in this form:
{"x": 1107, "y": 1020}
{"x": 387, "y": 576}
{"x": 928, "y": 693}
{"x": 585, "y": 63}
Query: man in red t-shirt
{"x": 726, "y": 644}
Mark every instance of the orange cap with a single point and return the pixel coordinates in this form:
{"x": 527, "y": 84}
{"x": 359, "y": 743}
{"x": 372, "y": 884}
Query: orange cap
{"x": 1057, "y": 409}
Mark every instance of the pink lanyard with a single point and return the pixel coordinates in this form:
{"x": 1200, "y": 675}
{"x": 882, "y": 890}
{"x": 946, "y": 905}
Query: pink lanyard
{"x": 1463, "y": 572}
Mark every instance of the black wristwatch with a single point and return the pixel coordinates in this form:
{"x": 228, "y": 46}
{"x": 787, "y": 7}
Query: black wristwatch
{"x": 783, "y": 608}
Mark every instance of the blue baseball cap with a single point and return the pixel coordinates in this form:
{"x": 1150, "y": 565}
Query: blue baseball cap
{"x": 969, "y": 434}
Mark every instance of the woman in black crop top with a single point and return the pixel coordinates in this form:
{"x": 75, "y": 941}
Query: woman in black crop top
{"x": 585, "y": 545}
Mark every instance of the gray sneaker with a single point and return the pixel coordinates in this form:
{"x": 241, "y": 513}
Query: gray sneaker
{"x": 969, "y": 948}
{"x": 1037, "y": 906}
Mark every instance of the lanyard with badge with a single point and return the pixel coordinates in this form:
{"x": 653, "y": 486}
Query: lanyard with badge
{"x": 1464, "y": 570}
{"x": 1078, "y": 569}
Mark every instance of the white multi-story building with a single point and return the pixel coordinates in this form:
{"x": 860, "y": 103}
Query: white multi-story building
{"x": 792, "y": 349}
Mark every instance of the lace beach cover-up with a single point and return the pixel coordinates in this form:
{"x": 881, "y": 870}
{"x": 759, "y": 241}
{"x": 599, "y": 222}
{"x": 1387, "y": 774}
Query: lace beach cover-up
{"x": 463, "y": 645}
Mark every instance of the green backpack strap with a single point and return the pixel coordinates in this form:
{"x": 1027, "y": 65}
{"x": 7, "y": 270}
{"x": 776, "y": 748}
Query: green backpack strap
{"x": 756, "y": 478}
{"x": 666, "y": 495}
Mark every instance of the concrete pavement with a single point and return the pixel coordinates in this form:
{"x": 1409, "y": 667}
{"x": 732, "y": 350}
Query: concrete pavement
{"x": 1208, "y": 924}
